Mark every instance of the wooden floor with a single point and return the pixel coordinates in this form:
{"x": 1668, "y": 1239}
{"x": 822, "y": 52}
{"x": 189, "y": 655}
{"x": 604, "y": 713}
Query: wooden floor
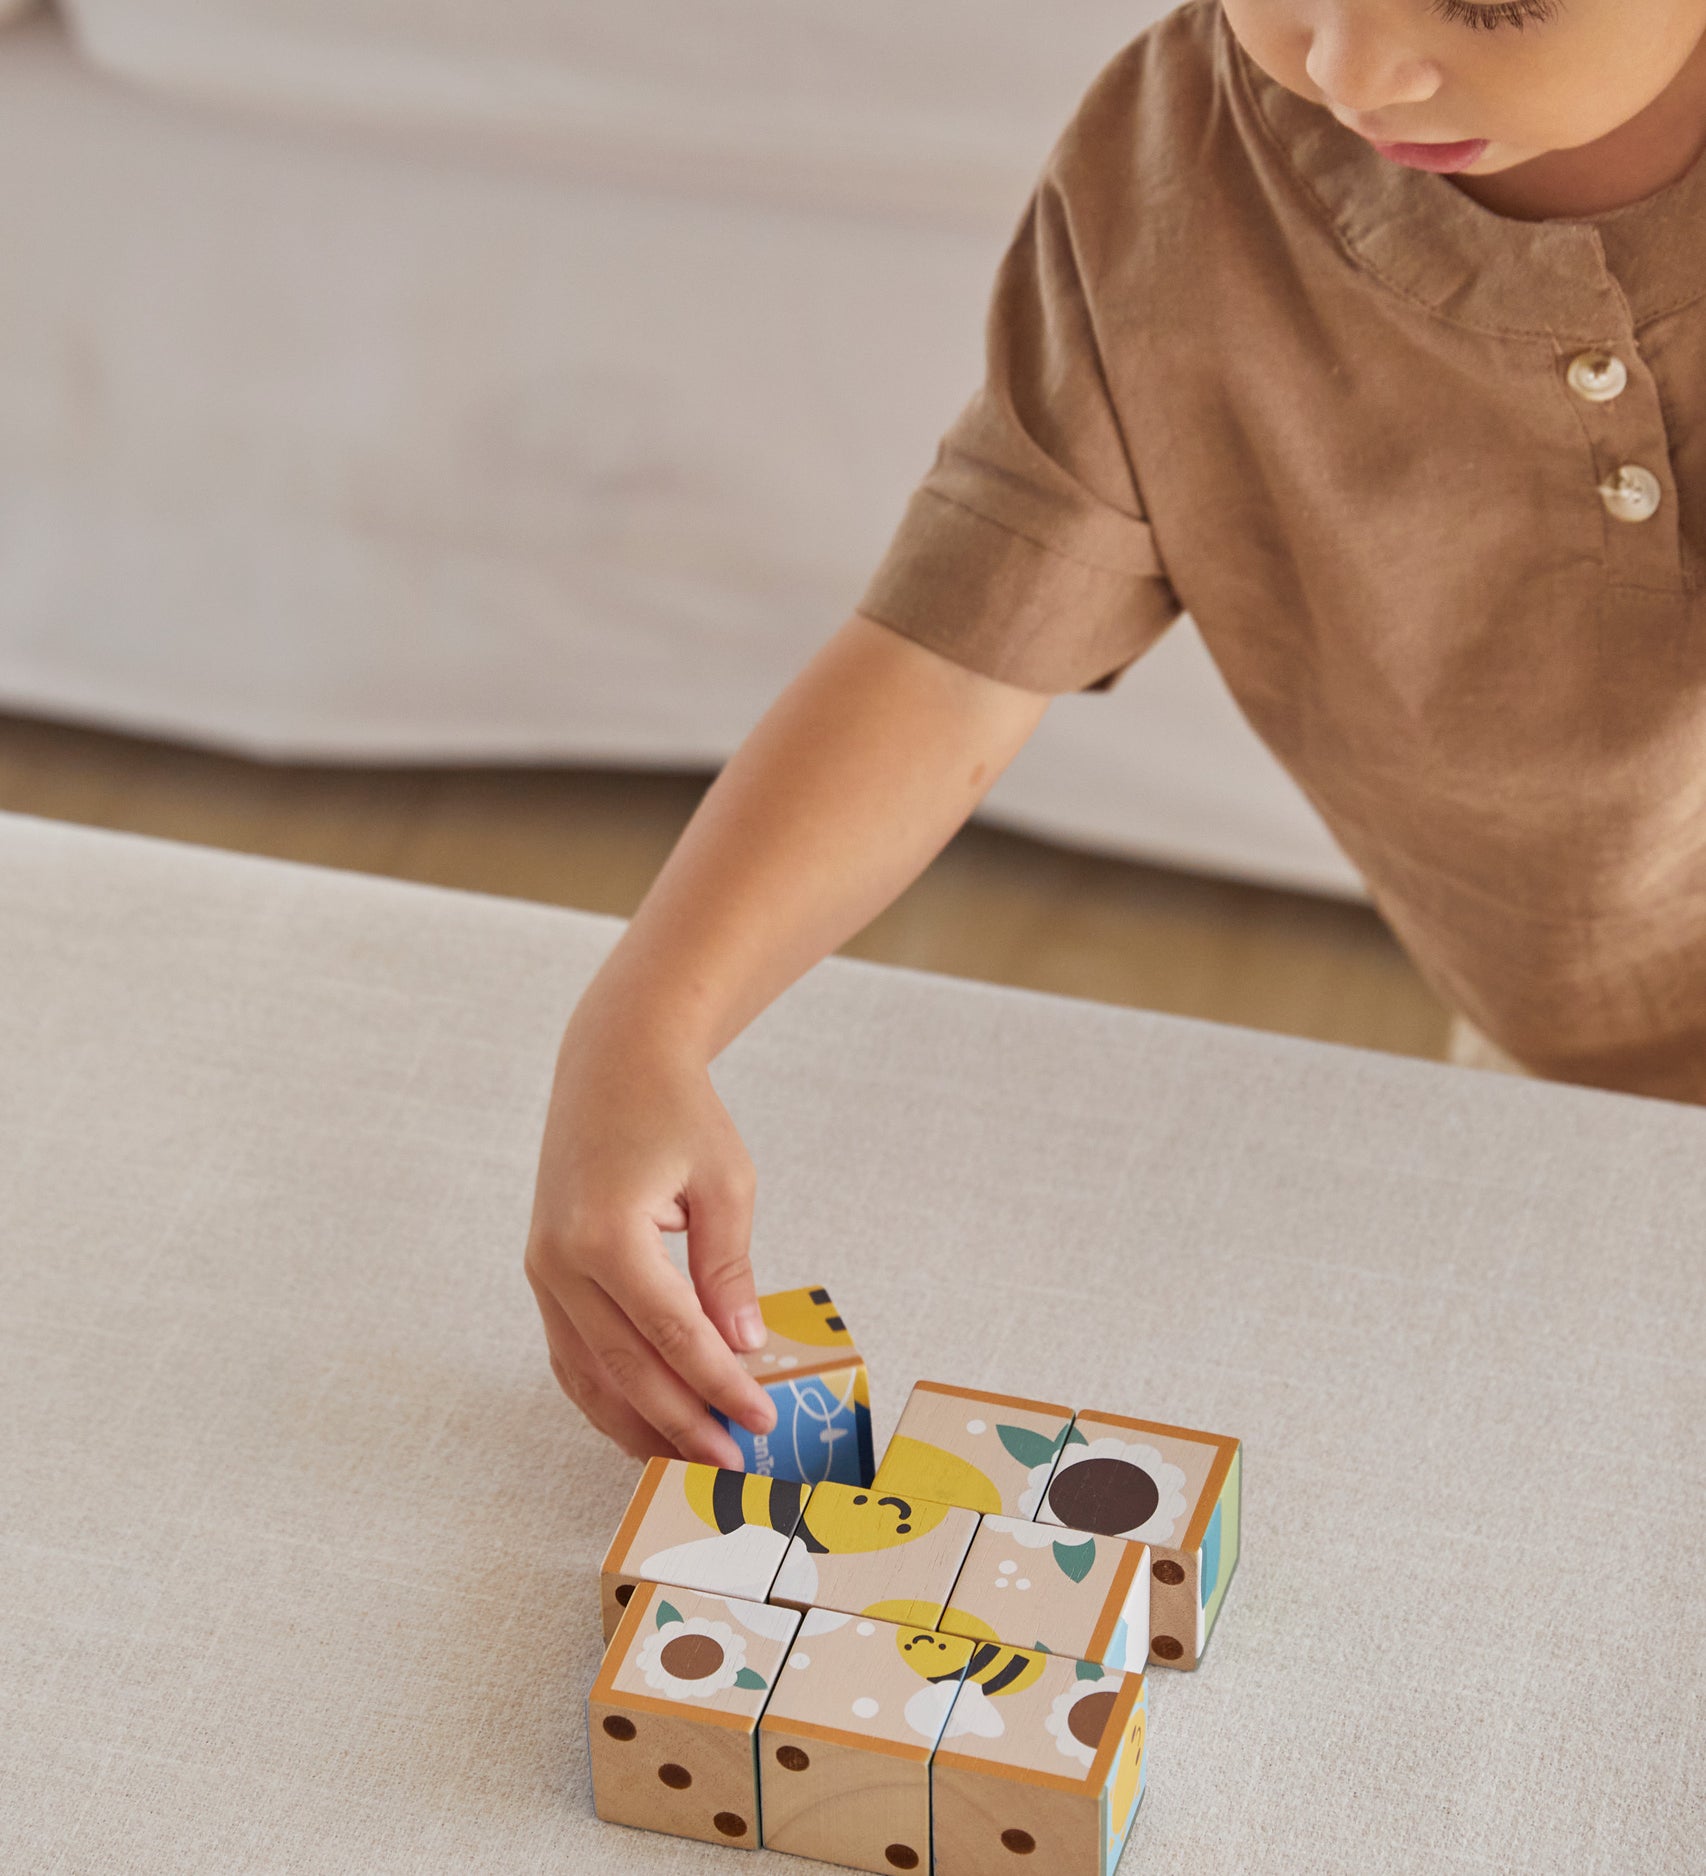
{"x": 995, "y": 906}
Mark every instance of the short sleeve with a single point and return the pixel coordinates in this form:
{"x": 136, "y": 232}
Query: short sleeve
{"x": 1025, "y": 552}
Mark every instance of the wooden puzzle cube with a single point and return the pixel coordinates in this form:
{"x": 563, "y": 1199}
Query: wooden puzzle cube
{"x": 699, "y": 1527}
{"x": 1174, "y": 1489}
{"x": 673, "y": 1715}
{"x": 990, "y": 1452}
{"x": 845, "y": 1742}
{"x": 1047, "y": 1764}
{"x": 1067, "y": 1592}
{"x": 817, "y": 1381}
{"x": 871, "y": 1553}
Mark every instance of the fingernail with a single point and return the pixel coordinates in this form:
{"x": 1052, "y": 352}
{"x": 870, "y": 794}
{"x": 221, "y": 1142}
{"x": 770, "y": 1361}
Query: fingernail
{"x": 749, "y": 1328}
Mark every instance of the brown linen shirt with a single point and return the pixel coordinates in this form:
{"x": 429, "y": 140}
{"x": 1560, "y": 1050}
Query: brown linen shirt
{"x": 1355, "y": 423}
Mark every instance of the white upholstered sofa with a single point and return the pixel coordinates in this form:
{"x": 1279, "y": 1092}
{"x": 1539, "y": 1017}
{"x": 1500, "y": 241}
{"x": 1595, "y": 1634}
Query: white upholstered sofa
{"x": 530, "y": 379}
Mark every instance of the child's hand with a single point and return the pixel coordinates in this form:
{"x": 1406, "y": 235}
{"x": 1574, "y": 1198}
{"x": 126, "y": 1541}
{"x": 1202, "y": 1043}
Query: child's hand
{"x": 637, "y": 1143}
{"x": 858, "y": 773}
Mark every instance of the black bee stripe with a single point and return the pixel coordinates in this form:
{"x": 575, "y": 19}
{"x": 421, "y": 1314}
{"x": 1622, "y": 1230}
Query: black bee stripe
{"x": 726, "y": 1505}
{"x": 784, "y": 1506}
{"x": 1015, "y": 1667}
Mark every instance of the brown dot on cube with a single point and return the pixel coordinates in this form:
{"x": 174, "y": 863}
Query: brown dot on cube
{"x": 1166, "y": 1647}
{"x": 676, "y": 1777}
{"x": 624, "y": 1593}
{"x": 691, "y": 1657}
{"x": 730, "y": 1824}
{"x": 1106, "y": 1496}
{"x": 902, "y": 1855}
{"x": 1169, "y": 1572}
{"x": 1087, "y": 1717}
{"x": 1020, "y": 1842}
{"x": 792, "y": 1759}
{"x": 619, "y": 1728}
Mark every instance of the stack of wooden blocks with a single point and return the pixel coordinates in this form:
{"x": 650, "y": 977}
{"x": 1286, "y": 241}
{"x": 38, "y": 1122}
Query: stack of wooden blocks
{"x": 938, "y": 1667}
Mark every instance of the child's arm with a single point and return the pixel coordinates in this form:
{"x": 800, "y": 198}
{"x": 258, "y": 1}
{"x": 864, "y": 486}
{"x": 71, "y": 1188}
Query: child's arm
{"x": 853, "y": 780}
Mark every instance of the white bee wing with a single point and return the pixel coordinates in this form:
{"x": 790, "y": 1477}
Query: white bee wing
{"x": 768, "y": 1619}
{"x": 928, "y": 1708}
{"x": 796, "y": 1581}
{"x": 975, "y": 1712}
{"x": 734, "y": 1563}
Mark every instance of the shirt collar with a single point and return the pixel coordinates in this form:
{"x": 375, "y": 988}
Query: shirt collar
{"x": 1580, "y": 280}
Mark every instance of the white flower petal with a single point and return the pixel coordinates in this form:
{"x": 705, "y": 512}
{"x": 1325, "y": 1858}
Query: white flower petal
{"x": 1023, "y": 1532}
{"x": 796, "y": 1581}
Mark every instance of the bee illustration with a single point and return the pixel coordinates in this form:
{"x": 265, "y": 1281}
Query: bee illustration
{"x": 751, "y": 1518}
{"x": 808, "y": 1317}
{"x": 840, "y": 1519}
{"x": 993, "y": 1666}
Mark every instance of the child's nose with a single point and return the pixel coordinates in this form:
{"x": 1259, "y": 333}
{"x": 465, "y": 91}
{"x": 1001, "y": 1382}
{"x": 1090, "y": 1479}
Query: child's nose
{"x": 1360, "y": 66}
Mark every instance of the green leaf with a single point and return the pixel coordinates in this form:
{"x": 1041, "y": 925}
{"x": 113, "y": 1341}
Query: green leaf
{"x": 1089, "y": 1670}
{"x": 667, "y": 1612}
{"x": 746, "y": 1678}
{"x": 1030, "y": 1449}
{"x": 1074, "y": 1437}
{"x": 1076, "y": 1560}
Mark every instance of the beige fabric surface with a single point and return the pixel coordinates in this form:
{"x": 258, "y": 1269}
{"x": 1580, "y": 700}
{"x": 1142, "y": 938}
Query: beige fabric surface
{"x": 298, "y": 1564}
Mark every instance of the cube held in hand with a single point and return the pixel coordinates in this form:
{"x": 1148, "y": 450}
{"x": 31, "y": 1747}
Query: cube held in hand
{"x": 816, "y": 1379}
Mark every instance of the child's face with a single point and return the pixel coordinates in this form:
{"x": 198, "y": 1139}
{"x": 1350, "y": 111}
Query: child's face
{"x": 1449, "y": 71}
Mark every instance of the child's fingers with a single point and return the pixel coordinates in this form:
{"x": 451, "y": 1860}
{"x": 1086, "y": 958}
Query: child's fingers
{"x": 577, "y": 1372}
{"x": 657, "y": 1300}
{"x": 719, "y": 1237}
{"x": 646, "y": 1381}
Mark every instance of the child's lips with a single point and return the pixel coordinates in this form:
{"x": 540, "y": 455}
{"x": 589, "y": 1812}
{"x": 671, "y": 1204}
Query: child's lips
{"x": 1442, "y": 157}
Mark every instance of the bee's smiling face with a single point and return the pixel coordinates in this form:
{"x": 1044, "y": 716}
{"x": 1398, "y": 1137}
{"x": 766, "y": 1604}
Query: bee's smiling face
{"x": 842, "y": 1519}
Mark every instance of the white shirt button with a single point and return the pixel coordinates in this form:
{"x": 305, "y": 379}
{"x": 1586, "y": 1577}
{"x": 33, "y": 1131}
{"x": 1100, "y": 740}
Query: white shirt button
{"x": 1597, "y": 376}
{"x": 1631, "y": 493}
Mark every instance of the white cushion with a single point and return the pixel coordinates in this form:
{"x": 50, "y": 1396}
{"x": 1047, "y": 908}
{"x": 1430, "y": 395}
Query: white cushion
{"x": 954, "y": 102}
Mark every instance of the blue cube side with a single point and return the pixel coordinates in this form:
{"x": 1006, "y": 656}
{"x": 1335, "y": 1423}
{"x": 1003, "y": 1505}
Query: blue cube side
{"x": 822, "y": 1431}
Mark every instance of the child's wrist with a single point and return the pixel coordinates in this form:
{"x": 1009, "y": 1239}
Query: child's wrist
{"x": 640, "y": 1026}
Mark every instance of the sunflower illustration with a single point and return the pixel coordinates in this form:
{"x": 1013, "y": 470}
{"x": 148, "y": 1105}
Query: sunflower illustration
{"x": 1117, "y": 1488}
{"x": 693, "y": 1659}
{"x": 1078, "y": 1717}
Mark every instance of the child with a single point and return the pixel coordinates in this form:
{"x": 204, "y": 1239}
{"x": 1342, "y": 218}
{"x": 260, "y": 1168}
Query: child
{"x": 1415, "y": 431}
